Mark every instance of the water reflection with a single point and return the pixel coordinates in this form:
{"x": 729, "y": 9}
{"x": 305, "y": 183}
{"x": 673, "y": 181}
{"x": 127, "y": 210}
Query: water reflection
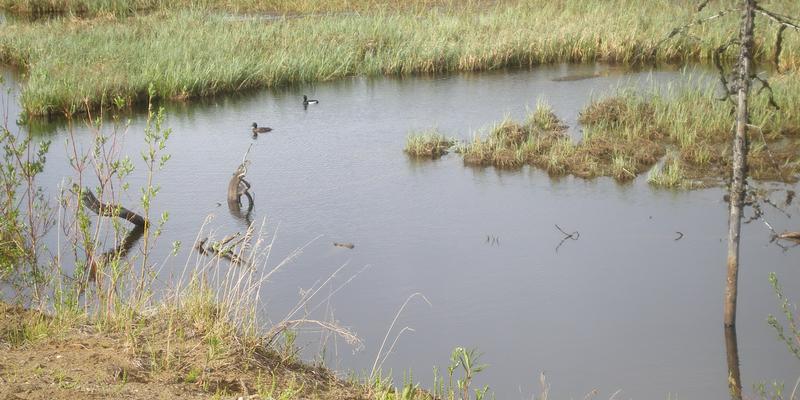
{"x": 732, "y": 352}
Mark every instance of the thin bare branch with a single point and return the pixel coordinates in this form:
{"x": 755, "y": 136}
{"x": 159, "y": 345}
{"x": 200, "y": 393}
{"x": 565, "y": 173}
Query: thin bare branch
{"x": 783, "y": 20}
{"x": 701, "y": 21}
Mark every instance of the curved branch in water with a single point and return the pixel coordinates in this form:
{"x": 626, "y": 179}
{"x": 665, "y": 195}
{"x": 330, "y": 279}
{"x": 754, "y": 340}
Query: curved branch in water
{"x": 113, "y": 210}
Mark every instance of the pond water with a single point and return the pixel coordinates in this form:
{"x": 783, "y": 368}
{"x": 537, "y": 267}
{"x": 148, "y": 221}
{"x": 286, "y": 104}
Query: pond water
{"x": 625, "y": 307}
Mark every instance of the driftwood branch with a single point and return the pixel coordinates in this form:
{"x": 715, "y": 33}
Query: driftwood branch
{"x": 238, "y": 187}
{"x": 794, "y": 236}
{"x": 225, "y": 248}
{"x": 110, "y": 210}
{"x": 90, "y": 201}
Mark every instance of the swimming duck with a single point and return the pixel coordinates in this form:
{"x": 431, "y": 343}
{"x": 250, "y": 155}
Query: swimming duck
{"x": 257, "y": 130}
{"x": 306, "y": 101}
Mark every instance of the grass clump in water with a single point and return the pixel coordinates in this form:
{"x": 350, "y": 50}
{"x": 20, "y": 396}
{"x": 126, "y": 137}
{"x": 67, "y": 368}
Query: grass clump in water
{"x": 430, "y": 144}
{"x": 697, "y": 128}
{"x": 511, "y": 145}
{"x": 670, "y": 175}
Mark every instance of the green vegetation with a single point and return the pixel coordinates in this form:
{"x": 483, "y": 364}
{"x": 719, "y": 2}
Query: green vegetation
{"x": 20, "y": 232}
{"x": 627, "y": 134}
{"x": 191, "y": 51}
{"x": 671, "y": 175}
{"x": 430, "y": 144}
{"x": 790, "y": 334}
{"x": 510, "y": 145}
{"x": 126, "y": 7}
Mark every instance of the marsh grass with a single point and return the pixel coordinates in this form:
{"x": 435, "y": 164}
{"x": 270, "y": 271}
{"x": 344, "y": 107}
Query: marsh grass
{"x": 428, "y": 144}
{"x": 190, "y": 52}
{"x": 627, "y": 134}
{"x": 696, "y": 126}
{"x": 38, "y": 8}
{"x": 670, "y": 175}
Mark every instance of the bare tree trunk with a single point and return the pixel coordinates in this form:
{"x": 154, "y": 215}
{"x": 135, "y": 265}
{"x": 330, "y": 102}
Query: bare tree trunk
{"x": 739, "y": 177}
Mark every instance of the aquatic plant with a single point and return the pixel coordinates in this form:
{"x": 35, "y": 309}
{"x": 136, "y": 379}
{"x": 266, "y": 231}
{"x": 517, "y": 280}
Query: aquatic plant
{"x": 671, "y": 175}
{"x": 427, "y": 144}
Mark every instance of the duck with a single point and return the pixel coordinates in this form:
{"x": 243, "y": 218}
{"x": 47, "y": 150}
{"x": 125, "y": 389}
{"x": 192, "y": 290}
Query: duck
{"x": 257, "y": 130}
{"x": 306, "y": 101}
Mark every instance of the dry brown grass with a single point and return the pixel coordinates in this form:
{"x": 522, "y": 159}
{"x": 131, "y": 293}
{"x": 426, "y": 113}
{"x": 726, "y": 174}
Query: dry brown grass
{"x": 166, "y": 354}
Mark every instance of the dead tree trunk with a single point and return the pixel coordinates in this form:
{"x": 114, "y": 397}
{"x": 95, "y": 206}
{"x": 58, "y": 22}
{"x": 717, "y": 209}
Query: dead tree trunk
{"x": 237, "y": 187}
{"x": 739, "y": 177}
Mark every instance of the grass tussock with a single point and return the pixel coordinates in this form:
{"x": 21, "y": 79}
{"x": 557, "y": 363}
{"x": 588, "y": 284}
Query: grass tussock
{"x": 431, "y": 144}
{"x": 511, "y": 145}
{"x": 627, "y": 134}
{"x": 190, "y": 51}
{"x": 670, "y": 175}
{"x": 610, "y": 148}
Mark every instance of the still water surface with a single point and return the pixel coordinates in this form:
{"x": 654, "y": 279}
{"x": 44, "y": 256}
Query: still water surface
{"x": 624, "y": 307}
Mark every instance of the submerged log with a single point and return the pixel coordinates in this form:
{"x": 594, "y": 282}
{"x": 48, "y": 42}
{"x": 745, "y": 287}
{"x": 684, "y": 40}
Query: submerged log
{"x": 111, "y": 210}
{"x": 790, "y": 236}
{"x": 91, "y": 202}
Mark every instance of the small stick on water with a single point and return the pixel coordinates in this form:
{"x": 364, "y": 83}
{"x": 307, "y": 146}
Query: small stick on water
{"x": 244, "y": 158}
{"x": 680, "y": 235}
{"x": 574, "y": 236}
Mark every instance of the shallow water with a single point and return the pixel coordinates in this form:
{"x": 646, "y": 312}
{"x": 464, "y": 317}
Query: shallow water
{"x": 623, "y": 307}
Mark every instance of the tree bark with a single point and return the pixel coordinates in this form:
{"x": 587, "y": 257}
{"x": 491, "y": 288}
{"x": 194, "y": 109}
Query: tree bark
{"x": 238, "y": 186}
{"x": 739, "y": 177}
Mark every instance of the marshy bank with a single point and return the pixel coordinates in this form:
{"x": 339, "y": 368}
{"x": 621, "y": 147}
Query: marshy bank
{"x": 175, "y": 353}
{"x": 188, "y": 52}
